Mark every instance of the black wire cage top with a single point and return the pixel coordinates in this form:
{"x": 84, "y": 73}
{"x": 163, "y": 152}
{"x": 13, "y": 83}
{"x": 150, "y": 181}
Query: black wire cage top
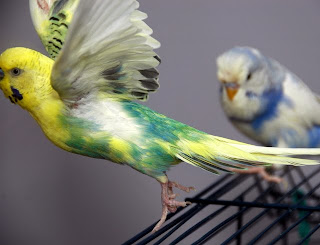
{"x": 242, "y": 209}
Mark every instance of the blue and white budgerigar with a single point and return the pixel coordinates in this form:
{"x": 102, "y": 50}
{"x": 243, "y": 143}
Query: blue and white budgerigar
{"x": 84, "y": 101}
{"x": 267, "y": 102}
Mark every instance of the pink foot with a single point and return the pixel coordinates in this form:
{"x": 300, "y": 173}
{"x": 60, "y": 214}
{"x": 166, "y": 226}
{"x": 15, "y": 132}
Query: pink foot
{"x": 42, "y": 4}
{"x": 261, "y": 171}
{"x": 168, "y": 202}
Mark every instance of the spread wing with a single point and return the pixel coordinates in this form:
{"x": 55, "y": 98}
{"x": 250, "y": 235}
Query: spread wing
{"x": 108, "y": 49}
{"x": 51, "y": 19}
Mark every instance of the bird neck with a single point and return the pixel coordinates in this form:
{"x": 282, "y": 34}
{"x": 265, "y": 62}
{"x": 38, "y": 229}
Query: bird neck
{"x": 258, "y": 108}
{"x": 44, "y": 107}
{"x": 39, "y": 95}
{"x": 47, "y": 110}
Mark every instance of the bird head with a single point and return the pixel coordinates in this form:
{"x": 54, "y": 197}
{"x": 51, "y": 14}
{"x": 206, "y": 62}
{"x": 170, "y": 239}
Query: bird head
{"x": 241, "y": 70}
{"x": 245, "y": 76}
{"x": 25, "y": 76}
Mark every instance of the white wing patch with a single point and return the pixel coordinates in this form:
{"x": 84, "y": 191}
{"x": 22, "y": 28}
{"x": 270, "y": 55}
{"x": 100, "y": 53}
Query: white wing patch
{"x": 110, "y": 116}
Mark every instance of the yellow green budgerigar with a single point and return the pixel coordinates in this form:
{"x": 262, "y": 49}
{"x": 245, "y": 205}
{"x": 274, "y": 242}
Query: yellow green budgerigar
{"x": 84, "y": 101}
{"x": 51, "y": 19}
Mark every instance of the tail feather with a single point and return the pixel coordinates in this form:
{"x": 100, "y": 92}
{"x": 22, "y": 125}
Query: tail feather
{"x": 196, "y": 163}
{"x": 238, "y": 162}
{"x": 216, "y": 154}
{"x": 287, "y": 160}
{"x": 225, "y": 162}
{"x": 270, "y": 150}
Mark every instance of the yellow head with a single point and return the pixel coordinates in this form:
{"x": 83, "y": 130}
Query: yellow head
{"x": 25, "y": 77}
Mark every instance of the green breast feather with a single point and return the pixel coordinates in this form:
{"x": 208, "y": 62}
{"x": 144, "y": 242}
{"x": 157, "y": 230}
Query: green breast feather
{"x": 153, "y": 154}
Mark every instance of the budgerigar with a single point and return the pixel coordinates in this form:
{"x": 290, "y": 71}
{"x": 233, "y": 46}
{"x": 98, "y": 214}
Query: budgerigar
{"x": 84, "y": 101}
{"x": 267, "y": 102}
{"x": 51, "y": 19}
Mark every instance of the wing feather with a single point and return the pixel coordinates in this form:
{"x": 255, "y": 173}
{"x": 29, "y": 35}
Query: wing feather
{"x": 51, "y": 19}
{"x": 108, "y": 49}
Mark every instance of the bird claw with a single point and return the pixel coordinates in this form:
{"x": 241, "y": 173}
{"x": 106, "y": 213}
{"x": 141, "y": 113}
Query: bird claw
{"x": 172, "y": 184}
{"x": 173, "y": 196}
{"x": 168, "y": 202}
{"x": 174, "y": 203}
{"x": 162, "y": 219}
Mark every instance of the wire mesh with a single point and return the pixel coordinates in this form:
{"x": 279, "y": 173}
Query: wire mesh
{"x": 241, "y": 209}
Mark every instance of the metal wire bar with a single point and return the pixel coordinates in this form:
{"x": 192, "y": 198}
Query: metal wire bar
{"x": 254, "y": 204}
{"x": 197, "y": 226}
{"x": 290, "y": 210}
{"x": 230, "y": 219}
{"x": 257, "y": 217}
{"x": 170, "y": 225}
{"x": 208, "y": 218}
{"x": 149, "y": 228}
{"x": 229, "y": 186}
{"x": 300, "y": 220}
{"x": 309, "y": 235}
{"x": 291, "y": 179}
{"x": 284, "y": 227}
{"x": 260, "y": 187}
{"x": 215, "y": 229}
{"x": 283, "y": 234}
{"x": 281, "y": 207}
{"x": 302, "y": 176}
{"x": 240, "y": 222}
{"x": 262, "y": 194}
{"x": 188, "y": 217}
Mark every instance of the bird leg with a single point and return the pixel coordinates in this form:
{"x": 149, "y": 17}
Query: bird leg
{"x": 42, "y": 4}
{"x": 261, "y": 171}
{"x": 168, "y": 200}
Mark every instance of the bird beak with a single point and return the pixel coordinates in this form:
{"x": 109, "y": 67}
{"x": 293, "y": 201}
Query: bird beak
{"x": 231, "y": 89}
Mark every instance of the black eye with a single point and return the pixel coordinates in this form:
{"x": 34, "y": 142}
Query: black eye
{"x": 1, "y": 74}
{"x": 249, "y": 77}
{"x": 15, "y": 72}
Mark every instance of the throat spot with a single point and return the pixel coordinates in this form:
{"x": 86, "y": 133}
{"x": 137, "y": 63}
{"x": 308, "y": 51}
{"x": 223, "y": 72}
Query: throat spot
{"x": 16, "y": 95}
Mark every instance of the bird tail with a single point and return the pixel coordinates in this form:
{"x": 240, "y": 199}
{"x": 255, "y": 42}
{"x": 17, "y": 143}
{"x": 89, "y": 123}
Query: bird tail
{"x": 216, "y": 154}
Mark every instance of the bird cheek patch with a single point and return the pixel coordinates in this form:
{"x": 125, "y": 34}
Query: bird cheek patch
{"x": 16, "y": 96}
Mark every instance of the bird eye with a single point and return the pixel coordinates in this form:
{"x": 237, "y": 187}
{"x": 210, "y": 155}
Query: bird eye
{"x": 1, "y": 74}
{"x": 15, "y": 72}
{"x": 249, "y": 77}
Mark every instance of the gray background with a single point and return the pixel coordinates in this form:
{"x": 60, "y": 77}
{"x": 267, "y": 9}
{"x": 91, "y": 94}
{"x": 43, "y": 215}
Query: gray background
{"x": 48, "y": 196}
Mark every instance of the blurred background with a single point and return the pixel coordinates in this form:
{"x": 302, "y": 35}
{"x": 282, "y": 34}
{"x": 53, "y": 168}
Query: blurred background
{"x": 48, "y": 196}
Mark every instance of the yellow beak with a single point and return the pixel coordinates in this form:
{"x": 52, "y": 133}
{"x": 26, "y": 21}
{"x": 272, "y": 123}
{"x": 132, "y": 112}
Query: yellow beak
{"x": 231, "y": 89}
